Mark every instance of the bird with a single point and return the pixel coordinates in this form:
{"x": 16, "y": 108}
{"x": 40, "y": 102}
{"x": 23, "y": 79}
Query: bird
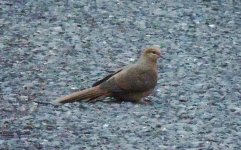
{"x": 131, "y": 83}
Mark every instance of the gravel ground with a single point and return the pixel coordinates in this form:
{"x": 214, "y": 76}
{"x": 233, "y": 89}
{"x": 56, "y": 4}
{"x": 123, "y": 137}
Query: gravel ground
{"x": 49, "y": 49}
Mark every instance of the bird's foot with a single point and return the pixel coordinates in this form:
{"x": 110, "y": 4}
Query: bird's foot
{"x": 146, "y": 101}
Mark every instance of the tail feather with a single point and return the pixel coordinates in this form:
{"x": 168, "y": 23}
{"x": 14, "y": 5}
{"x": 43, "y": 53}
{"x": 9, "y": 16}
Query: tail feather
{"x": 87, "y": 94}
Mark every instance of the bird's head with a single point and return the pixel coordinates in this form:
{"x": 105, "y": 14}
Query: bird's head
{"x": 152, "y": 53}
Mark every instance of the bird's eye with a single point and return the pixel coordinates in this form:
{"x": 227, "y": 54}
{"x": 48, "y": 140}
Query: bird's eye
{"x": 153, "y": 52}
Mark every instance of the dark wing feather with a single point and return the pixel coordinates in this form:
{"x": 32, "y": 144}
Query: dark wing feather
{"x": 106, "y": 78}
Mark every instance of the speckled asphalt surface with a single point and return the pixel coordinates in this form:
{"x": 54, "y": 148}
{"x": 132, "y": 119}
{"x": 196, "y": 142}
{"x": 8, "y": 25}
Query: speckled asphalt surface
{"x": 49, "y": 49}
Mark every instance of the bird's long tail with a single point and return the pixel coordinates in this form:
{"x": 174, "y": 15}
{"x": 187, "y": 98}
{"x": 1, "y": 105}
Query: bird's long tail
{"x": 90, "y": 94}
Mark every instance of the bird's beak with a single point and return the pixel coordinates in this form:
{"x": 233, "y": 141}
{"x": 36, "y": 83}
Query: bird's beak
{"x": 160, "y": 55}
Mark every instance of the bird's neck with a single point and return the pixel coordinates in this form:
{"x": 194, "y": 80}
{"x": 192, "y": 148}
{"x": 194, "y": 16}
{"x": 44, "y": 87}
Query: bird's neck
{"x": 147, "y": 62}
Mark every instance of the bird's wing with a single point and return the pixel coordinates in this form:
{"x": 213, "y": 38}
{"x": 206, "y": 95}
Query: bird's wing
{"x": 136, "y": 79}
{"x": 130, "y": 79}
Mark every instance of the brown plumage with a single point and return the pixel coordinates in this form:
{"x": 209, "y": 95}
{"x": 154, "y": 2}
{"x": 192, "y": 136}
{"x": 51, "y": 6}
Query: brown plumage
{"x": 132, "y": 83}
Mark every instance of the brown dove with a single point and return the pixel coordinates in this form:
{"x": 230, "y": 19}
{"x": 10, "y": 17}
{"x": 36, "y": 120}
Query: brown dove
{"x": 132, "y": 83}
